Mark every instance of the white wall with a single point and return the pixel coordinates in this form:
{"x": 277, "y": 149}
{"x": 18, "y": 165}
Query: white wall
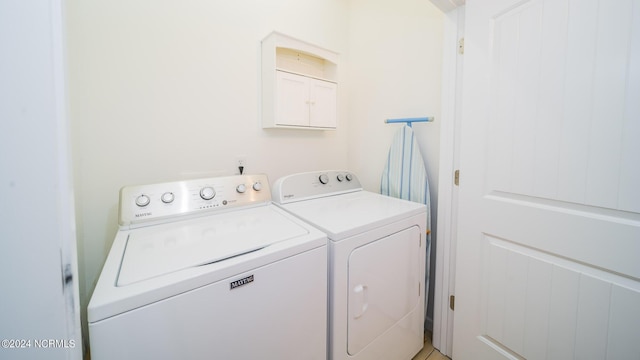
{"x": 395, "y": 70}
{"x": 163, "y": 90}
{"x": 395, "y": 58}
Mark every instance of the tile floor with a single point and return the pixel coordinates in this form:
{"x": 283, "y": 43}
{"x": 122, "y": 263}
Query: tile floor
{"x": 428, "y": 352}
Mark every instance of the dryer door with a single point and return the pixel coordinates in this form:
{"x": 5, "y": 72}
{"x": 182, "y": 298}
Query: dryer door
{"x": 384, "y": 287}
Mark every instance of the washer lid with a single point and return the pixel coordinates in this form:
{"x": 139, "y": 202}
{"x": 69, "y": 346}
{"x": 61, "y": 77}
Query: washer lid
{"x": 342, "y": 216}
{"x": 158, "y": 250}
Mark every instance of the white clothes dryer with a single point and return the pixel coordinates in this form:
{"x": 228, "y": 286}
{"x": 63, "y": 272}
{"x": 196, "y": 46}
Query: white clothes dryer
{"x": 210, "y": 269}
{"x": 376, "y": 263}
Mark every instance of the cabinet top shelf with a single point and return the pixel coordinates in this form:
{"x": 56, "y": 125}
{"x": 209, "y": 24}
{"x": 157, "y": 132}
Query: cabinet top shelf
{"x": 278, "y": 40}
{"x": 307, "y": 75}
{"x": 284, "y": 53}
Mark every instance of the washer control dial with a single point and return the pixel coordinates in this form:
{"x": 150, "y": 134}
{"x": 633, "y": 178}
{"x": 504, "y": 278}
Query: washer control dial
{"x": 167, "y": 197}
{"x": 257, "y": 186}
{"x": 241, "y": 188}
{"x": 143, "y": 200}
{"x": 349, "y": 177}
{"x": 340, "y": 177}
{"x": 207, "y": 193}
{"x": 324, "y": 179}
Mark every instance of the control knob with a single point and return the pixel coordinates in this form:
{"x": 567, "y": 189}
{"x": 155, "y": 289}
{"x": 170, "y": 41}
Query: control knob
{"x": 167, "y": 197}
{"x": 207, "y": 193}
{"x": 143, "y": 200}
{"x": 257, "y": 186}
{"x": 349, "y": 177}
{"x": 340, "y": 177}
{"x": 241, "y": 188}
{"x": 324, "y": 179}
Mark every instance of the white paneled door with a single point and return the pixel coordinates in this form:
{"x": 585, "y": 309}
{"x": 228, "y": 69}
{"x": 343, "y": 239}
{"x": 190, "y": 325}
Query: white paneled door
{"x": 548, "y": 254}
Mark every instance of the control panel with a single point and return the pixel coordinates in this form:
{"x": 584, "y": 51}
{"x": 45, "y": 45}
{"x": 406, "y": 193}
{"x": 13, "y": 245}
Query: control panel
{"x": 155, "y": 202}
{"x": 311, "y": 185}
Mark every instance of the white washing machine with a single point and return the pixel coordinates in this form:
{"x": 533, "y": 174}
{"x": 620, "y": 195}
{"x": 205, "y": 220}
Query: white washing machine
{"x": 376, "y": 263}
{"x": 210, "y": 269}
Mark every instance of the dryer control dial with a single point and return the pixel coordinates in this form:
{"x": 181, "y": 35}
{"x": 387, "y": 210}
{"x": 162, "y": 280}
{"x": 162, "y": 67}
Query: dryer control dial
{"x": 324, "y": 179}
{"x": 257, "y": 186}
{"x": 241, "y": 188}
{"x": 207, "y": 193}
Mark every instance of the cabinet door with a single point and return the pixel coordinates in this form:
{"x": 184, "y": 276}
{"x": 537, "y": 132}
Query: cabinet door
{"x": 292, "y": 99}
{"x": 322, "y": 103}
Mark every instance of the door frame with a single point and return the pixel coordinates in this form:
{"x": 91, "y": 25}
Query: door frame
{"x": 449, "y": 162}
{"x": 39, "y": 172}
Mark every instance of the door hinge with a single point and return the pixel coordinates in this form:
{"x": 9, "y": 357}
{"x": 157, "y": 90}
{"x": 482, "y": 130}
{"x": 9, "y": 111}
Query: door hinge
{"x": 452, "y": 302}
{"x": 461, "y": 46}
{"x": 456, "y": 178}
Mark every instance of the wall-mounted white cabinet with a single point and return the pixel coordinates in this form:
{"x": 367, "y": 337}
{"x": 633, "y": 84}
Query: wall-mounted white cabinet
{"x": 304, "y": 101}
{"x": 299, "y": 84}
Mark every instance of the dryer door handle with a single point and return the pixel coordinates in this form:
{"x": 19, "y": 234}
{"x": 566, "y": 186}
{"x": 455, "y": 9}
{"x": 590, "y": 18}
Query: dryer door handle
{"x": 360, "y": 300}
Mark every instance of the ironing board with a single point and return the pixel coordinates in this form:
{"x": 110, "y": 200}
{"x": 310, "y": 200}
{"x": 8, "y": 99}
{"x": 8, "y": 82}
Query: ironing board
{"x": 405, "y": 177}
